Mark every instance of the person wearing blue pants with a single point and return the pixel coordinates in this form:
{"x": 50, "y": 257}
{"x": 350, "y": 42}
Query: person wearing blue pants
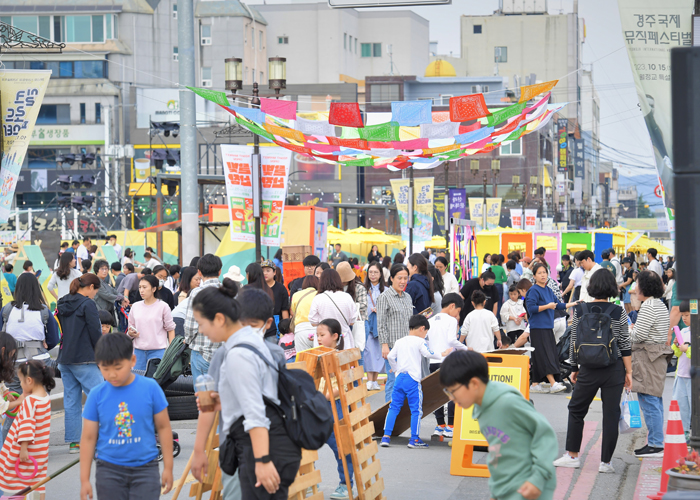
{"x": 405, "y": 361}
{"x": 342, "y": 490}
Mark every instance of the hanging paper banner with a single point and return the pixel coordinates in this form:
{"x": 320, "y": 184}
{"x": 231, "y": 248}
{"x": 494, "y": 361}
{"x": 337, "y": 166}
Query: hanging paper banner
{"x": 651, "y": 29}
{"x": 493, "y": 211}
{"x": 212, "y": 95}
{"x": 476, "y": 206}
{"x": 22, "y": 93}
{"x": 439, "y": 211}
{"x": 530, "y": 219}
{"x": 458, "y": 203}
{"x": 422, "y": 206}
{"x": 239, "y": 191}
{"x": 516, "y": 218}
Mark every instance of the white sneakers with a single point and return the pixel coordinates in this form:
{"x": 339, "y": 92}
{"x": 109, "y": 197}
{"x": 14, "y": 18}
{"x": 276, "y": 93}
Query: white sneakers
{"x": 557, "y": 387}
{"x": 373, "y": 386}
{"x": 539, "y": 389}
{"x": 567, "y": 460}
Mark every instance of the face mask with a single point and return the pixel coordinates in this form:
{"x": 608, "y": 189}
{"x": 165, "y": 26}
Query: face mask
{"x": 260, "y": 331}
{"x": 161, "y": 283}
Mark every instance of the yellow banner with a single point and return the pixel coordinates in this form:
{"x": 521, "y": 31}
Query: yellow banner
{"x": 21, "y": 94}
{"x": 422, "y": 206}
{"x": 493, "y": 210}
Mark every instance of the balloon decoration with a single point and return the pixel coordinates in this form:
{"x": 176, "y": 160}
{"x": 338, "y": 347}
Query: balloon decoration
{"x": 414, "y": 137}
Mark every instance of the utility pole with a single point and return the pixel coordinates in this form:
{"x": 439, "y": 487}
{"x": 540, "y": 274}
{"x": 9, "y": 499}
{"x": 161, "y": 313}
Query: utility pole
{"x": 188, "y": 132}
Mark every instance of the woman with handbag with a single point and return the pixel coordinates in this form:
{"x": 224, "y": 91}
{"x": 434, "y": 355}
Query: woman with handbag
{"x": 332, "y": 302}
{"x": 372, "y": 355}
{"x": 304, "y": 332}
{"x": 609, "y": 379}
{"x": 353, "y": 286}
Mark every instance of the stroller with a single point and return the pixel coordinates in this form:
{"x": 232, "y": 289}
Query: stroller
{"x": 565, "y": 367}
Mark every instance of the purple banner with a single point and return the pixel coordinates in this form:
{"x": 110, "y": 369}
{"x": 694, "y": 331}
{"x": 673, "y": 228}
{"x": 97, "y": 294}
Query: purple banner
{"x": 458, "y": 203}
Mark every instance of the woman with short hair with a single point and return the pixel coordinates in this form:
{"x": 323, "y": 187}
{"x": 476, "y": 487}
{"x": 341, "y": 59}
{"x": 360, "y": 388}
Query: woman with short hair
{"x": 332, "y": 302}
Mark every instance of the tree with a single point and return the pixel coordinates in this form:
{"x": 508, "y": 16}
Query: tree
{"x": 643, "y": 210}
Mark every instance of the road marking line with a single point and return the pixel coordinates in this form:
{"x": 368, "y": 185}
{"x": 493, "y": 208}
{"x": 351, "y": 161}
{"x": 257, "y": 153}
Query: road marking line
{"x": 586, "y": 480}
{"x": 564, "y": 474}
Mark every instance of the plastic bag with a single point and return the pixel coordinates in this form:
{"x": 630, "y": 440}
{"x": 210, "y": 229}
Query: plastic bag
{"x": 630, "y": 418}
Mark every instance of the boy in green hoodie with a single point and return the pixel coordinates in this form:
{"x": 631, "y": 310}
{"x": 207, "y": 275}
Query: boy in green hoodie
{"x": 522, "y": 444}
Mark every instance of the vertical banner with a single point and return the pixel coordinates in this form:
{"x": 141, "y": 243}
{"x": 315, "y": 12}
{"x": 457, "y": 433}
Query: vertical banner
{"x": 239, "y": 191}
{"x": 516, "y": 218}
{"x": 651, "y": 29}
{"x": 579, "y": 158}
{"x": 21, "y": 94}
{"x": 493, "y": 211}
{"x": 458, "y": 203}
{"x": 476, "y": 206}
{"x": 422, "y": 206}
{"x": 439, "y": 211}
{"x": 530, "y": 219}
{"x": 562, "y": 124}
{"x": 274, "y": 164}
{"x": 321, "y": 234}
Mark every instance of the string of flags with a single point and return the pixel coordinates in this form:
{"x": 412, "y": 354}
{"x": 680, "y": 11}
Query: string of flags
{"x": 416, "y": 136}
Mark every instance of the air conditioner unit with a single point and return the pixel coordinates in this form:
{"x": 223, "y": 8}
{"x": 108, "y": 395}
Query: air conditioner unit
{"x": 206, "y": 40}
{"x": 206, "y": 83}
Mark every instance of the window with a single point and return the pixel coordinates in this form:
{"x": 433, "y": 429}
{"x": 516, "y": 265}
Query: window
{"x": 206, "y": 34}
{"x": 174, "y": 11}
{"x": 57, "y": 24}
{"x": 252, "y": 37}
{"x": 108, "y": 26}
{"x": 345, "y": 41}
{"x": 355, "y": 46}
{"x": 366, "y": 50}
{"x": 283, "y": 40}
{"x": 376, "y": 50}
{"x": 98, "y": 112}
{"x": 43, "y": 158}
{"x": 485, "y": 89}
{"x": 79, "y": 29}
{"x": 262, "y": 77}
{"x": 446, "y": 99}
{"x": 53, "y": 114}
{"x": 98, "y": 29}
{"x": 500, "y": 54}
{"x": 89, "y": 69}
{"x": 175, "y": 54}
{"x": 206, "y": 77}
{"x": 116, "y": 26}
{"x": 477, "y": 29}
{"x": 260, "y": 41}
{"x": 385, "y": 93}
{"x": 45, "y": 27}
{"x": 82, "y": 112}
{"x": 512, "y": 148}
{"x": 65, "y": 69}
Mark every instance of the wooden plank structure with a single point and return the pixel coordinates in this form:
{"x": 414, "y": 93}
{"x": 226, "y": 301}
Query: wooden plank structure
{"x": 212, "y": 481}
{"x": 354, "y": 430}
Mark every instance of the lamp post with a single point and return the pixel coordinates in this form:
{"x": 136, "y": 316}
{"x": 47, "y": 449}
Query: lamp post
{"x": 233, "y": 69}
{"x": 533, "y": 189}
{"x": 495, "y": 170}
{"x": 277, "y": 74}
{"x": 548, "y": 194}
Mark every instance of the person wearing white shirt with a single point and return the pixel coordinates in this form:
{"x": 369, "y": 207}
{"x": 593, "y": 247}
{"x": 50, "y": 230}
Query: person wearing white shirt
{"x": 480, "y": 326}
{"x": 448, "y": 279}
{"x": 444, "y": 333}
{"x": 112, "y": 241}
{"x": 654, "y": 265}
{"x": 589, "y": 265}
{"x": 150, "y": 262}
{"x": 513, "y": 314}
{"x": 618, "y": 267}
{"x": 405, "y": 360}
{"x": 83, "y": 253}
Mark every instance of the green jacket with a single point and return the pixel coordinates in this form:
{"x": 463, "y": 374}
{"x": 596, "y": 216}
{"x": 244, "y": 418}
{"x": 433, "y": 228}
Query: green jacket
{"x": 501, "y": 276}
{"x": 522, "y": 443}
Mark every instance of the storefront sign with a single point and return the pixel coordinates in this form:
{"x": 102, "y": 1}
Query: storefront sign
{"x": 579, "y": 158}
{"x": 163, "y": 105}
{"x": 562, "y": 124}
{"x": 68, "y": 135}
{"x": 21, "y": 92}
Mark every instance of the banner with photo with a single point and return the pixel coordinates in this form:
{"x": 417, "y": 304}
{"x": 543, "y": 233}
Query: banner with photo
{"x": 21, "y": 94}
{"x": 239, "y": 191}
{"x": 651, "y": 29}
{"x": 422, "y": 206}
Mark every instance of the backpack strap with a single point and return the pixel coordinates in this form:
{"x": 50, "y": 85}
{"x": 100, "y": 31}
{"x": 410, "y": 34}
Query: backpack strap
{"x": 256, "y": 351}
{"x": 45, "y": 315}
{"x": 584, "y": 308}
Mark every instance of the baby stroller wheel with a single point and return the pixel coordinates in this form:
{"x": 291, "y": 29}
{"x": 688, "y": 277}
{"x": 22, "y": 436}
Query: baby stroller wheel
{"x": 160, "y": 453}
{"x": 176, "y": 448}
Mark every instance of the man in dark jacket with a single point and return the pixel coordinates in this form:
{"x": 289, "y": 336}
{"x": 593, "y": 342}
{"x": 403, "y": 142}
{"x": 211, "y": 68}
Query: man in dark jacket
{"x": 485, "y": 283}
{"x": 310, "y": 262}
{"x": 418, "y": 288}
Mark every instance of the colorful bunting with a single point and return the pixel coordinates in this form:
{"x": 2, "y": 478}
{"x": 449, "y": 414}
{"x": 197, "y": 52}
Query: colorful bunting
{"x": 315, "y": 127}
{"x": 281, "y": 109}
{"x": 346, "y": 114}
{"x": 530, "y": 91}
{"x": 467, "y": 107}
{"x": 215, "y": 96}
{"x": 383, "y": 132}
{"x": 411, "y": 113}
{"x": 505, "y": 113}
{"x": 439, "y": 130}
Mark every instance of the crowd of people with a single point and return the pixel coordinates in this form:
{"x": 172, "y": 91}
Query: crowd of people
{"x": 406, "y": 315}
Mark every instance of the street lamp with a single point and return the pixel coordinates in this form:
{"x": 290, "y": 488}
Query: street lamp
{"x": 474, "y": 166}
{"x": 233, "y": 69}
{"x": 277, "y": 73}
{"x": 516, "y": 181}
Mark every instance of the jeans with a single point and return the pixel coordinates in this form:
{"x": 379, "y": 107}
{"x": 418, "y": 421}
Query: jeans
{"x": 390, "y": 379}
{"x": 142, "y": 357}
{"x": 198, "y": 365}
{"x": 653, "y": 412}
{"x": 231, "y": 486}
{"x": 681, "y": 393}
{"x": 334, "y": 446}
{"x": 76, "y": 380}
{"x": 409, "y": 389}
{"x": 13, "y": 386}
{"x": 118, "y": 482}
{"x": 440, "y": 412}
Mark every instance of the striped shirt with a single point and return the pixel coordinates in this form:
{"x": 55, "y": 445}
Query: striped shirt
{"x": 33, "y": 424}
{"x": 652, "y": 324}
{"x": 618, "y": 325}
{"x": 199, "y": 343}
{"x": 393, "y": 314}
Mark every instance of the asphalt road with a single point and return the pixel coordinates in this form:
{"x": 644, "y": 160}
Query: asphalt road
{"x": 420, "y": 474}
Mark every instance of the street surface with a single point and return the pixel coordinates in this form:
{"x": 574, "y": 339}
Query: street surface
{"x": 420, "y": 474}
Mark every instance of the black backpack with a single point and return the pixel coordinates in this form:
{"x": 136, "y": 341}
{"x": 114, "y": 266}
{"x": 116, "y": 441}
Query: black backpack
{"x": 596, "y": 346}
{"x": 306, "y": 413}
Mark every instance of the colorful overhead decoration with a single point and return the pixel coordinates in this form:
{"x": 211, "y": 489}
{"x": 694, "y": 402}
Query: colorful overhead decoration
{"x": 414, "y": 137}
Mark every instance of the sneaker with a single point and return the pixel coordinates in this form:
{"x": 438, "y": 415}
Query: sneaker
{"x": 74, "y": 448}
{"x": 369, "y": 386}
{"x": 567, "y": 460}
{"x": 604, "y": 468}
{"x": 557, "y": 387}
{"x": 439, "y": 430}
{"x": 537, "y": 388}
{"x": 386, "y": 442}
{"x": 448, "y": 431}
{"x": 418, "y": 443}
{"x": 375, "y": 386}
{"x": 340, "y": 493}
{"x": 649, "y": 451}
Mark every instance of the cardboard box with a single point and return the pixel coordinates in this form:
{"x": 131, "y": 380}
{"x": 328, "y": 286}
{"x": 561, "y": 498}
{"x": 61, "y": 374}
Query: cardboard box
{"x": 296, "y": 253}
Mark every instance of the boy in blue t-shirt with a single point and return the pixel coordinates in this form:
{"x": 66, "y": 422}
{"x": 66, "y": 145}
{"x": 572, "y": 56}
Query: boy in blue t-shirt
{"x": 120, "y": 421}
